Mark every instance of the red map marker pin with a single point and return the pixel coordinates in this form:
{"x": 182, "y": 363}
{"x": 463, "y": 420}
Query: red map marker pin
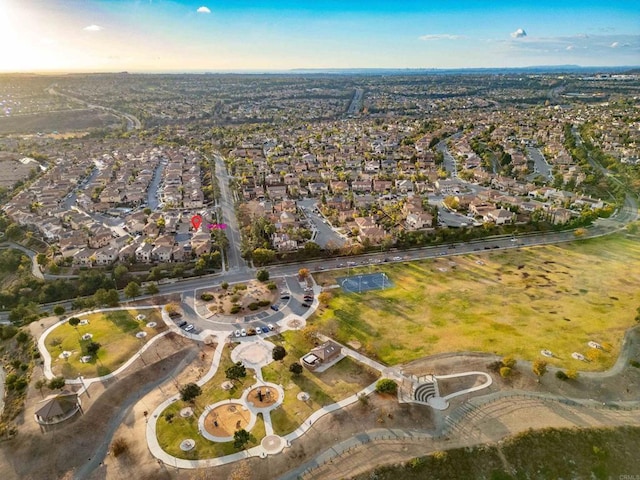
{"x": 196, "y": 221}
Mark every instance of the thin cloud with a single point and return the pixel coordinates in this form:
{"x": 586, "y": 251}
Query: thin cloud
{"x": 519, "y": 33}
{"x": 615, "y": 45}
{"x": 203, "y": 9}
{"x": 93, "y": 28}
{"x": 440, "y": 36}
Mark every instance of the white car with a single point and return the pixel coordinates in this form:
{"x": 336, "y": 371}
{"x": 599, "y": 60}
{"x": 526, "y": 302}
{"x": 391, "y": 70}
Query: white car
{"x": 236, "y": 333}
{"x": 243, "y": 333}
{"x": 271, "y": 327}
{"x": 188, "y": 328}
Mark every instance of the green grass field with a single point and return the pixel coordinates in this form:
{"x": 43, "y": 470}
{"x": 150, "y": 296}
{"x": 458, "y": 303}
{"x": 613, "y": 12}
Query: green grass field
{"x": 340, "y": 381}
{"x": 171, "y": 433}
{"x": 114, "y": 331}
{"x": 513, "y": 302}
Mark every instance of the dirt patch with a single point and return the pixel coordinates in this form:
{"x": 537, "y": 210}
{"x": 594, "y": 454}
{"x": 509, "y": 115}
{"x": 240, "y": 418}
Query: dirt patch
{"x": 262, "y": 397}
{"x": 225, "y": 420}
{"x": 52, "y": 453}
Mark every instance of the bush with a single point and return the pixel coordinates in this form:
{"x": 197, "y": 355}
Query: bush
{"x": 253, "y": 306}
{"x": 278, "y": 352}
{"x": 169, "y": 417}
{"x": 206, "y": 297}
{"x": 635, "y": 363}
{"x": 56, "y": 383}
{"x": 119, "y": 446}
{"x": 264, "y": 303}
{"x": 505, "y": 372}
{"x": 295, "y": 368}
{"x": 235, "y": 298}
{"x": 240, "y": 286}
{"x": 508, "y": 361}
{"x": 235, "y": 309}
{"x": 189, "y": 392}
{"x": 262, "y": 275}
{"x": 386, "y": 385}
{"x": 271, "y": 286}
{"x": 560, "y": 375}
{"x": 224, "y": 285}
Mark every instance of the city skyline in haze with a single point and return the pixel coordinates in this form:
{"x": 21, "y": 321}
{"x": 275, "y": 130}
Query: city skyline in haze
{"x": 240, "y": 35}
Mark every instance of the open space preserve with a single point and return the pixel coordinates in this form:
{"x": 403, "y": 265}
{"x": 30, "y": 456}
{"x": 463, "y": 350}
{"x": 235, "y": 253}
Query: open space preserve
{"x": 515, "y": 302}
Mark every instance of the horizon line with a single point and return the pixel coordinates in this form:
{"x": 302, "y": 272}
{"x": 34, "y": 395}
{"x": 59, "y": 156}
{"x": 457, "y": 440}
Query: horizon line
{"x": 327, "y": 70}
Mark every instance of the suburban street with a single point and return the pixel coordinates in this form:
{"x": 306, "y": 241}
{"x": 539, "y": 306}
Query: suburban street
{"x": 235, "y": 261}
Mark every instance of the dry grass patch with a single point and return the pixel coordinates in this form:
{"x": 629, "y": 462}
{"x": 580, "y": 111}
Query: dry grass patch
{"x": 514, "y": 302}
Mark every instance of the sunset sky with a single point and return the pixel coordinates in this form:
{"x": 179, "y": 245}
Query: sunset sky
{"x": 186, "y": 35}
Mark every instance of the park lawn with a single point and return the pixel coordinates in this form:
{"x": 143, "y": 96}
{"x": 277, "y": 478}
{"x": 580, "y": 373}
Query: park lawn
{"x": 212, "y": 391}
{"x": 115, "y": 331}
{"x": 514, "y": 302}
{"x": 171, "y": 434}
{"x": 342, "y": 380}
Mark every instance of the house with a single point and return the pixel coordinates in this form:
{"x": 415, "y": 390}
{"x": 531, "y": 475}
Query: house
{"x": 321, "y": 355}
{"x": 106, "y": 255}
{"x": 83, "y": 257}
{"x": 57, "y": 408}
{"x": 143, "y": 252}
{"x": 500, "y": 216}
{"x": 419, "y": 220}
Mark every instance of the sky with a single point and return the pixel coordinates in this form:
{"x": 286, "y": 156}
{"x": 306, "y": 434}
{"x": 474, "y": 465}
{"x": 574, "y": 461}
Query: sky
{"x": 261, "y": 35}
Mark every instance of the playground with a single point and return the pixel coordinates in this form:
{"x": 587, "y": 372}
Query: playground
{"x": 224, "y": 420}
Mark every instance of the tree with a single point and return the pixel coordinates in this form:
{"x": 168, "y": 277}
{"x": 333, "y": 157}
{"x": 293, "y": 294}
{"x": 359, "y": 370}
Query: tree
{"x": 224, "y": 285}
{"x": 92, "y": 348}
{"x": 236, "y": 371}
{"x": 189, "y": 392}
{"x": 295, "y": 368}
{"x": 120, "y": 275}
{"x": 386, "y": 385}
{"x": 59, "y": 310}
{"x": 572, "y": 374}
{"x": 74, "y": 322}
{"x": 539, "y": 368}
{"x": 151, "y": 289}
{"x": 41, "y": 258}
{"x": 132, "y": 290}
{"x": 262, "y": 275}
{"x": 262, "y": 256}
{"x": 56, "y": 383}
{"x": 508, "y": 361}
{"x": 324, "y": 298}
{"x": 241, "y": 438}
{"x": 278, "y": 352}
{"x": 303, "y": 273}
{"x": 40, "y": 384}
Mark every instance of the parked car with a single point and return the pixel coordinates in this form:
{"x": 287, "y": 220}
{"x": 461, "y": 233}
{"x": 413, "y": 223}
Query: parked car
{"x": 182, "y": 323}
{"x": 243, "y": 333}
{"x": 284, "y": 297}
{"x": 251, "y": 331}
{"x": 306, "y": 305}
{"x": 265, "y": 329}
{"x": 271, "y": 327}
{"x": 189, "y": 327}
{"x": 236, "y": 333}
{"x": 308, "y": 298}
{"x": 275, "y": 308}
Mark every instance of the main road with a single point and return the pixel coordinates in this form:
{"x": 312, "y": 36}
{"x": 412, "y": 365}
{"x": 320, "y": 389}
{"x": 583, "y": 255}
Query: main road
{"x": 235, "y": 262}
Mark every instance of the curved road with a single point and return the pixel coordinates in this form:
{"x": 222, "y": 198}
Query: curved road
{"x": 133, "y": 123}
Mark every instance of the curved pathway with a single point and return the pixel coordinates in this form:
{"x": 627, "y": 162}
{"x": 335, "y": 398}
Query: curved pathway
{"x": 86, "y": 382}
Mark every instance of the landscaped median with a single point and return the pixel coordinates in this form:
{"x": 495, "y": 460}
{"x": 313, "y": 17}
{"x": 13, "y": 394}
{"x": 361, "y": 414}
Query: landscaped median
{"x": 99, "y": 343}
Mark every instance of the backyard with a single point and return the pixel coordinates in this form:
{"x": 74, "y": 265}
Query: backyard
{"x": 517, "y": 302}
{"x": 117, "y": 332}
